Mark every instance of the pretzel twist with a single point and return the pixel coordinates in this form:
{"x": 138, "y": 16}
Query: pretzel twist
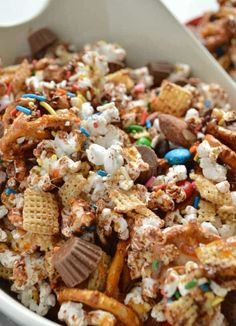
{"x": 36, "y": 129}
{"x": 227, "y": 155}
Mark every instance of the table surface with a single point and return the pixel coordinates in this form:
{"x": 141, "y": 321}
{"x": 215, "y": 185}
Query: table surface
{"x": 184, "y": 10}
{"x": 4, "y": 321}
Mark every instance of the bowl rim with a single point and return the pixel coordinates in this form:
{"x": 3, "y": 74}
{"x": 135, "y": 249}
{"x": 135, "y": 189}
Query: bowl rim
{"x": 19, "y": 313}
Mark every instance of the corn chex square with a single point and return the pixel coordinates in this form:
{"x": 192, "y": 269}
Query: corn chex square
{"x": 206, "y": 211}
{"x": 173, "y": 99}
{"x": 219, "y": 256}
{"x": 71, "y": 189}
{"x": 126, "y": 201}
{"x": 227, "y": 213}
{"x": 209, "y": 191}
{"x": 40, "y": 212}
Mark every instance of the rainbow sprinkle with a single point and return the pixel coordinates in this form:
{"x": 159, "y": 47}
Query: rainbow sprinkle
{"x": 35, "y": 96}
{"x": 70, "y": 94}
{"x": 102, "y": 173}
{"x": 23, "y": 109}
{"x": 48, "y": 108}
{"x": 84, "y": 131}
{"x": 9, "y": 191}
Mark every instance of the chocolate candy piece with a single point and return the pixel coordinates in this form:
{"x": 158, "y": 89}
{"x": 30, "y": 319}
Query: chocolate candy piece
{"x": 229, "y": 307}
{"x": 3, "y": 88}
{"x": 162, "y": 147}
{"x": 148, "y": 156}
{"x": 76, "y": 260}
{"x": 152, "y": 322}
{"x": 115, "y": 66}
{"x": 176, "y": 130}
{"x": 41, "y": 39}
{"x": 56, "y": 74}
{"x": 181, "y": 81}
{"x": 160, "y": 71}
{"x": 231, "y": 177}
{"x": 1, "y": 129}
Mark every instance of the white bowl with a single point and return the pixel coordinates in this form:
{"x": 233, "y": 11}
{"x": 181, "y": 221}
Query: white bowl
{"x": 146, "y": 30}
{"x": 9, "y": 11}
{"x": 21, "y": 315}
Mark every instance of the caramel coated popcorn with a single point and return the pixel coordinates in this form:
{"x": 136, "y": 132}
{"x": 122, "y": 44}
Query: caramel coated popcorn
{"x": 117, "y": 188}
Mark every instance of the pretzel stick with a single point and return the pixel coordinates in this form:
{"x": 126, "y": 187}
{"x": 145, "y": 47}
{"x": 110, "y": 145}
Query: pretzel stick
{"x": 227, "y": 155}
{"x": 99, "y": 300}
{"x": 125, "y": 279}
{"x": 226, "y": 136}
{"x": 115, "y": 269}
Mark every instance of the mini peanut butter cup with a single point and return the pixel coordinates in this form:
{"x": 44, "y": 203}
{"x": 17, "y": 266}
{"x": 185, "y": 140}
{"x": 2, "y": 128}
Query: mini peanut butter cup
{"x": 160, "y": 71}
{"x": 41, "y": 39}
{"x": 76, "y": 260}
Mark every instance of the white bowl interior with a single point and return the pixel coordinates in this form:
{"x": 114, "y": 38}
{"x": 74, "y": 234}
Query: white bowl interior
{"x": 146, "y": 30}
{"x": 21, "y": 315}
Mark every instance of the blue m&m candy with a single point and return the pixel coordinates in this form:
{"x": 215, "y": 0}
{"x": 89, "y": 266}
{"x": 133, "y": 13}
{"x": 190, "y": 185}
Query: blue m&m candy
{"x": 178, "y": 156}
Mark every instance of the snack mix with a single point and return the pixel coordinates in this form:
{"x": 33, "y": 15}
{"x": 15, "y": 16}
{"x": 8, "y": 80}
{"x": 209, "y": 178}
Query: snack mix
{"x": 118, "y": 189}
{"x": 217, "y": 31}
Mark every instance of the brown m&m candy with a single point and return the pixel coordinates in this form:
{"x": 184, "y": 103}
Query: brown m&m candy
{"x": 176, "y": 130}
{"x": 150, "y": 157}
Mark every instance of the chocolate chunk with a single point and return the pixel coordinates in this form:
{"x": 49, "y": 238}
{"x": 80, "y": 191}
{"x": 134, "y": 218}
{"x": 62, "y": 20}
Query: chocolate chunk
{"x": 231, "y": 177}
{"x": 152, "y": 322}
{"x": 176, "y": 130}
{"x": 60, "y": 103}
{"x": 3, "y": 88}
{"x": 1, "y": 129}
{"x": 181, "y": 81}
{"x": 148, "y": 156}
{"x": 54, "y": 73}
{"x": 229, "y": 307}
{"x": 40, "y": 40}
{"x": 76, "y": 260}
{"x": 160, "y": 71}
{"x": 115, "y": 66}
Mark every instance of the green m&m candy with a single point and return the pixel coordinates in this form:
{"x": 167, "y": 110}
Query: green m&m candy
{"x": 134, "y": 128}
{"x": 144, "y": 141}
